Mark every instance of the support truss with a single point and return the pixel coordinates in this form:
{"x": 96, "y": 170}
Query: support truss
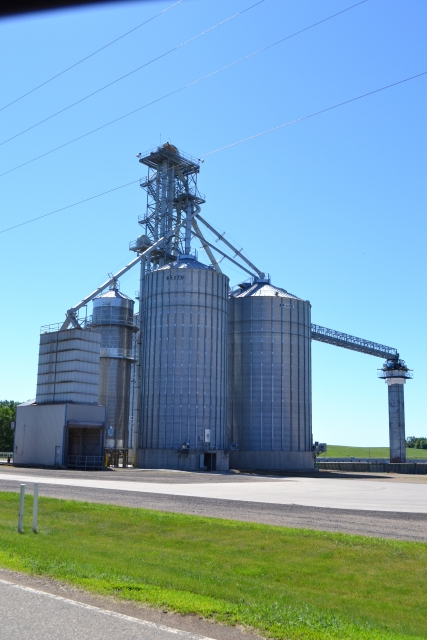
{"x": 172, "y": 196}
{"x": 322, "y": 334}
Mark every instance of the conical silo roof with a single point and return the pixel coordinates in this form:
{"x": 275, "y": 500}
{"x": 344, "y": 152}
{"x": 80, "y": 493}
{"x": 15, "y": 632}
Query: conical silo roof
{"x": 262, "y": 288}
{"x": 186, "y": 262}
{"x": 113, "y": 293}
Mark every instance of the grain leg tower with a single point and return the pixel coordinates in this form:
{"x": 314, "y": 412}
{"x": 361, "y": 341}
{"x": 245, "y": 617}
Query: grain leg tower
{"x": 182, "y": 368}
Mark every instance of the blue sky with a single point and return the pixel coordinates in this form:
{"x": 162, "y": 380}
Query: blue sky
{"x": 332, "y": 207}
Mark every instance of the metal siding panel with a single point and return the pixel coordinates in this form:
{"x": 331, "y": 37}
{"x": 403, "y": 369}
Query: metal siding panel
{"x": 269, "y": 406}
{"x": 184, "y": 359}
{"x": 68, "y": 367}
{"x": 116, "y": 325}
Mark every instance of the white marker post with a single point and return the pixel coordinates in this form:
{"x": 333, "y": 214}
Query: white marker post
{"x": 21, "y": 509}
{"x": 35, "y": 506}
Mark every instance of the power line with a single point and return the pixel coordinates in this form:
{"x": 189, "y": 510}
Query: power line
{"x": 311, "y": 115}
{"x": 171, "y": 93}
{"x": 340, "y": 104}
{"x": 24, "y": 95}
{"x": 126, "y": 75}
{"x": 69, "y": 206}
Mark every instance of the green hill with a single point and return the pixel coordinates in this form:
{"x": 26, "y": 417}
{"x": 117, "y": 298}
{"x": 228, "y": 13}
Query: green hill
{"x": 337, "y": 451}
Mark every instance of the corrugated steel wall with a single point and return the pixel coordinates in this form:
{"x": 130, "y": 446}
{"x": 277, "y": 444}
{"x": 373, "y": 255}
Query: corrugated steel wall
{"x": 68, "y": 369}
{"x": 269, "y": 407}
{"x": 184, "y": 357}
{"x": 114, "y": 315}
{"x": 114, "y": 394}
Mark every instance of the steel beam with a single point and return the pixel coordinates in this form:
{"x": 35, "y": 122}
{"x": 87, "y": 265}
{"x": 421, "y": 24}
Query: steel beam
{"x": 201, "y": 238}
{"x": 230, "y": 246}
{"x": 71, "y": 313}
{"x": 206, "y": 247}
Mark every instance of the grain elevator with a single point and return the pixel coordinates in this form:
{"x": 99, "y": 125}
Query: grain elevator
{"x": 203, "y": 376}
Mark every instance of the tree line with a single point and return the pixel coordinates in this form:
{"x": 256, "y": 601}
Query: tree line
{"x": 7, "y": 416}
{"x": 416, "y": 443}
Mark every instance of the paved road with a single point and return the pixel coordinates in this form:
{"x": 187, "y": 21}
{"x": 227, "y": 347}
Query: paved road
{"x": 40, "y": 608}
{"x": 362, "y": 495}
{"x": 31, "y": 614}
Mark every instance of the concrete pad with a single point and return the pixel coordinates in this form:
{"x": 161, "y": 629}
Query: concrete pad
{"x": 366, "y": 495}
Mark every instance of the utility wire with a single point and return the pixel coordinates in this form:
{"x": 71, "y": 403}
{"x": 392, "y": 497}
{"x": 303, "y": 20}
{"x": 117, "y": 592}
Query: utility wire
{"x": 171, "y": 93}
{"x": 126, "y": 75}
{"x": 340, "y": 104}
{"x": 98, "y": 195}
{"x": 24, "y": 95}
{"x": 311, "y": 115}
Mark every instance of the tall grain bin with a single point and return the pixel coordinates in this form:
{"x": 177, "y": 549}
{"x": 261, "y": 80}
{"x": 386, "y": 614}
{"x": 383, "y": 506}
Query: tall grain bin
{"x": 113, "y": 313}
{"x": 269, "y": 391}
{"x": 184, "y": 367}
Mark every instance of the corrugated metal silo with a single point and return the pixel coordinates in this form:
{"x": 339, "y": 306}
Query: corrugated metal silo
{"x": 269, "y": 396}
{"x": 184, "y": 367}
{"x": 113, "y": 312}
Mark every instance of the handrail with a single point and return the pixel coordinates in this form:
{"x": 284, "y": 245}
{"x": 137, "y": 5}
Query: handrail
{"x": 116, "y": 352}
{"x": 86, "y": 462}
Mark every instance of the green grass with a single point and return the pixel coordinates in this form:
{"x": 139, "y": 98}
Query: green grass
{"x": 336, "y": 451}
{"x": 287, "y": 583}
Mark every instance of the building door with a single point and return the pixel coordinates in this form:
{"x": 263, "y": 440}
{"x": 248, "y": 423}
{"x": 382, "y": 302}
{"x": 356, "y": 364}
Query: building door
{"x": 210, "y": 461}
{"x": 85, "y": 442}
{"x": 58, "y": 460}
{"x": 91, "y": 442}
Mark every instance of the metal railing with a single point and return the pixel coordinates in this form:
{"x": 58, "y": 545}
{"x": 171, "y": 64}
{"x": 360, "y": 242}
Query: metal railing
{"x": 86, "y": 462}
{"x": 153, "y": 157}
{"x": 116, "y": 352}
{"x": 111, "y": 318}
{"x": 6, "y": 457}
{"x": 397, "y": 373}
{"x": 85, "y": 323}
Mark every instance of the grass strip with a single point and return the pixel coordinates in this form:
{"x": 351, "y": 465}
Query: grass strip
{"x": 291, "y": 584}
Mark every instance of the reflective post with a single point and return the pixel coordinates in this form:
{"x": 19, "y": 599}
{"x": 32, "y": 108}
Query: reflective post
{"x": 35, "y": 506}
{"x": 21, "y": 509}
